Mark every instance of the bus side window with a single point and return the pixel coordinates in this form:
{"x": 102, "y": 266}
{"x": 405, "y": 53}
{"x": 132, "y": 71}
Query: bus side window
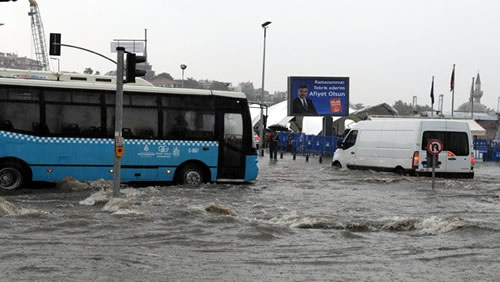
{"x": 6, "y": 125}
{"x": 20, "y": 107}
{"x": 70, "y": 110}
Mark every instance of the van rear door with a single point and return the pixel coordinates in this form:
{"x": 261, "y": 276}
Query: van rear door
{"x": 427, "y": 136}
{"x": 457, "y": 152}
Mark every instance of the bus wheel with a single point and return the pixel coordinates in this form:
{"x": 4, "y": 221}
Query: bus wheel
{"x": 191, "y": 175}
{"x": 11, "y": 176}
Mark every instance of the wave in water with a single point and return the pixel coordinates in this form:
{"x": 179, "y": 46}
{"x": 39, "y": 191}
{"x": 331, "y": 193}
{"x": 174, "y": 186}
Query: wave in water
{"x": 7, "y": 208}
{"x": 428, "y": 226}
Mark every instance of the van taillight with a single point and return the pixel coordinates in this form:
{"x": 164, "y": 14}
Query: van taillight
{"x": 472, "y": 160}
{"x": 451, "y": 155}
{"x": 416, "y": 160}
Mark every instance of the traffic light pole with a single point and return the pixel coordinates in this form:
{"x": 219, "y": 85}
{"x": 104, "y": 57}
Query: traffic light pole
{"x": 119, "y": 142}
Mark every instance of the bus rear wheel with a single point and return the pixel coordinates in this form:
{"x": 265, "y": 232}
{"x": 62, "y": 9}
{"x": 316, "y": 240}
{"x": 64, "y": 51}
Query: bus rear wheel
{"x": 191, "y": 174}
{"x": 12, "y": 176}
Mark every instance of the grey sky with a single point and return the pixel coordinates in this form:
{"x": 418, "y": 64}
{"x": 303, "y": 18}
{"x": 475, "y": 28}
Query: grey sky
{"x": 389, "y": 48}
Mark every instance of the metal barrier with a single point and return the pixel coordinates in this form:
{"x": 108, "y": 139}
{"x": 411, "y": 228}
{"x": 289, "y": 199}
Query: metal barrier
{"x": 488, "y": 151}
{"x": 306, "y": 145}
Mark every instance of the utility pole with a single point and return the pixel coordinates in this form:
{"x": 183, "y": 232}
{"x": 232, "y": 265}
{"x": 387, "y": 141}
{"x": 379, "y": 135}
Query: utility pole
{"x": 264, "y": 26}
{"x": 119, "y": 141}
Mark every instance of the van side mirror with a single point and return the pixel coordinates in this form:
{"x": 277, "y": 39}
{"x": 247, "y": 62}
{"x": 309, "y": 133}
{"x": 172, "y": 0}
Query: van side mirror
{"x": 340, "y": 144}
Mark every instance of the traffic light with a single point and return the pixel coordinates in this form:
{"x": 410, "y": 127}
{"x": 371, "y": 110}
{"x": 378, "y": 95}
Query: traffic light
{"x": 132, "y": 72}
{"x": 55, "y": 44}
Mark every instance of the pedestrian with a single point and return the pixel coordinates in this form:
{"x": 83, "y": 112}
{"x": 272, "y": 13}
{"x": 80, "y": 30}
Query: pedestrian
{"x": 273, "y": 145}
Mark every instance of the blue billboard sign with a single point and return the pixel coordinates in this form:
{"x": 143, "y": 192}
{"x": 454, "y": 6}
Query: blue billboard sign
{"x": 318, "y": 96}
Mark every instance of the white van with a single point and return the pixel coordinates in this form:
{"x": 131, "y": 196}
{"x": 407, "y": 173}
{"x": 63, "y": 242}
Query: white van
{"x": 399, "y": 145}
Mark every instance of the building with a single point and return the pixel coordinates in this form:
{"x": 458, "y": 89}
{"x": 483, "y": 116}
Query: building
{"x": 12, "y": 61}
{"x": 165, "y": 82}
{"x": 474, "y": 102}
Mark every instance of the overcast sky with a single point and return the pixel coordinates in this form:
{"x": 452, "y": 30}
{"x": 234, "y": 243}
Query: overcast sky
{"x": 389, "y": 48}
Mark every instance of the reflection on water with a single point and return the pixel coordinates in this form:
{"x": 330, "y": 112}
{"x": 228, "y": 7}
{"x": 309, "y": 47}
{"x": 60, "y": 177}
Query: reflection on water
{"x": 299, "y": 221}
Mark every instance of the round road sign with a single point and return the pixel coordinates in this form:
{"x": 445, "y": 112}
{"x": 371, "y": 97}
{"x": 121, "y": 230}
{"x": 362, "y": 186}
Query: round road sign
{"x": 435, "y": 146}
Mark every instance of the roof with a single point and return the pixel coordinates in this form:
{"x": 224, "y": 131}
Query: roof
{"x": 80, "y": 81}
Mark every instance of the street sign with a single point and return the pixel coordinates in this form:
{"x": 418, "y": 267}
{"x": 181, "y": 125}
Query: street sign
{"x": 133, "y": 46}
{"x": 435, "y": 146}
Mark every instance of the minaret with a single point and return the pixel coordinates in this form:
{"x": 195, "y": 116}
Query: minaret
{"x": 477, "y": 91}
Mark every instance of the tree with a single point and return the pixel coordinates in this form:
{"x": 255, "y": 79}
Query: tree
{"x": 406, "y": 109}
{"x": 88, "y": 71}
{"x": 164, "y": 75}
{"x": 97, "y": 73}
{"x": 217, "y": 85}
{"x": 359, "y": 106}
{"x": 192, "y": 83}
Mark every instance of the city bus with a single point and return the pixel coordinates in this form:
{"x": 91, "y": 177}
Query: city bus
{"x": 56, "y": 125}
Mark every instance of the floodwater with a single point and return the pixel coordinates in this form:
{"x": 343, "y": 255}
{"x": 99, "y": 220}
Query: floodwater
{"x": 300, "y": 221}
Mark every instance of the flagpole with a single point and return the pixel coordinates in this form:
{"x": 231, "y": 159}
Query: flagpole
{"x": 452, "y": 90}
{"x": 472, "y": 100}
{"x": 432, "y": 97}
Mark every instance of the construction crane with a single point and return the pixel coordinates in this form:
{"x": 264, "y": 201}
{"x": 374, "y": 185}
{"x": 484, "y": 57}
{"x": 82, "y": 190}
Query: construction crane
{"x": 38, "y": 36}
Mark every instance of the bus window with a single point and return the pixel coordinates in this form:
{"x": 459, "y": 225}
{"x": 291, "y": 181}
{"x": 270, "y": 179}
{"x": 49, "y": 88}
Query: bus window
{"x": 143, "y": 122}
{"x": 188, "y": 102}
{"x": 188, "y": 125}
{"x": 20, "y": 115}
{"x": 64, "y": 119}
{"x": 19, "y": 108}
{"x": 233, "y": 130}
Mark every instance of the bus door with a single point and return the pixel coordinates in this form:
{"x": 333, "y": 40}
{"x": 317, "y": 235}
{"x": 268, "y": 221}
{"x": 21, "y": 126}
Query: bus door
{"x": 231, "y": 166}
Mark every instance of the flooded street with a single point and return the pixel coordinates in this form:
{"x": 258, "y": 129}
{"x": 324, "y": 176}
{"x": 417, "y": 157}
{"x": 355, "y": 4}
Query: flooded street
{"x": 298, "y": 221}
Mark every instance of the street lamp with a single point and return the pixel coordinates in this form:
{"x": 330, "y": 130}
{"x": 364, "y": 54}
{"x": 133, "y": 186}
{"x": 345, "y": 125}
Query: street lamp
{"x": 183, "y": 67}
{"x": 264, "y": 26}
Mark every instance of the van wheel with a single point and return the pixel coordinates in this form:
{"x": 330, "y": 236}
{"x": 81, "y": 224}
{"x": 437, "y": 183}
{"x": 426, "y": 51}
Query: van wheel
{"x": 191, "y": 175}
{"x": 12, "y": 176}
{"x": 400, "y": 171}
{"x": 336, "y": 164}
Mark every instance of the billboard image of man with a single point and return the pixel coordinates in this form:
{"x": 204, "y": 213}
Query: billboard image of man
{"x": 302, "y": 104}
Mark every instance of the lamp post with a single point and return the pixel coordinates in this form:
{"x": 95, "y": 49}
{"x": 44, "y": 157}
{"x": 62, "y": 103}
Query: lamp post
{"x": 414, "y": 105}
{"x": 264, "y": 26}
{"x": 183, "y": 67}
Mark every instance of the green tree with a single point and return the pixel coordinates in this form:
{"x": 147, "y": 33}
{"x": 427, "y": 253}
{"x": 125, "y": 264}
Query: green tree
{"x": 88, "y": 71}
{"x": 192, "y": 83}
{"x": 406, "y": 109}
{"x": 359, "y": 106}
{"x": 164, "y": 75}
{"x": 217, "y": 85}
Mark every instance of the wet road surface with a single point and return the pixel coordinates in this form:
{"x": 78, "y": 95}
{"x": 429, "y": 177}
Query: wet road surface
{"x": 299, "y": 221}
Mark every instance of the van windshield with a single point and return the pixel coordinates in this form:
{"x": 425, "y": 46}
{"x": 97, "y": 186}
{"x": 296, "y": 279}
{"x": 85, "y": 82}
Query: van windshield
{"x": 455, "y": 142}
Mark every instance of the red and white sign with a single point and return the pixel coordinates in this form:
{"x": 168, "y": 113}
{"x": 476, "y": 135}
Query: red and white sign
{"x": 435, "y": 146}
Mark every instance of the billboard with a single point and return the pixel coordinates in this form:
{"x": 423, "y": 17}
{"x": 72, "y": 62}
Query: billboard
{"x": 318, "y": 96}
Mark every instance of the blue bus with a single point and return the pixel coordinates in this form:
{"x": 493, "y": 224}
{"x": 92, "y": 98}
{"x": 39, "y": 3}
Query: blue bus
{"x": 53, "y": 126}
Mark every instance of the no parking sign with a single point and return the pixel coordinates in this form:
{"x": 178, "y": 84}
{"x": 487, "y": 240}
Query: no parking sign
{"x": 435, "y": 146}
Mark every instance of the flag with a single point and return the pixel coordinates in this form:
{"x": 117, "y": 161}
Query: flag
{"x": 452, "y": 82}
{"x": 432, "y": 91}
